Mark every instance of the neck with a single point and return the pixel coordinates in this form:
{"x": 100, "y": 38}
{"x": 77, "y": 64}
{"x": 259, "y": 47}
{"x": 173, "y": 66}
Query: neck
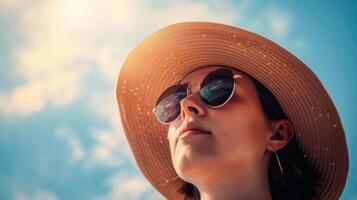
{"x": 250, "y": 186}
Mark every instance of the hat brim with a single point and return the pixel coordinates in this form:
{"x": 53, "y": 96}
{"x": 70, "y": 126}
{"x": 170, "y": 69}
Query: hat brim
{"x": 168, "y": 54}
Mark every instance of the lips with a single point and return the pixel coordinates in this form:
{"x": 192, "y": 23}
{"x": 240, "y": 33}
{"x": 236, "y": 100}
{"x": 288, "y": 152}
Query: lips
{"x": 193, "y": 129}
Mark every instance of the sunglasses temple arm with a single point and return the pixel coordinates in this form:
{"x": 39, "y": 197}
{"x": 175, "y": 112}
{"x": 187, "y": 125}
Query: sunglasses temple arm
{"x": 237, "y": 76}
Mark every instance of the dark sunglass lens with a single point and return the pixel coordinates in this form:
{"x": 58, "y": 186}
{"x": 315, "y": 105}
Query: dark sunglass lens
{"x": 217, "y": 87}
{"x": 168, "y": 105}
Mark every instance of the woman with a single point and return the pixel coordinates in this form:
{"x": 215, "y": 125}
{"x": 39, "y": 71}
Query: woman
{"x": 235, "y": 117}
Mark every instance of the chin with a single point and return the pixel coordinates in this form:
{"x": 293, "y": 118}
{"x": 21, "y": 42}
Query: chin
{"x": 187, "y": 164}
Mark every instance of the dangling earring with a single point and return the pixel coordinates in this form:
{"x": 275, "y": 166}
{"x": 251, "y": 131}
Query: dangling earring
{"x": 277, "y": 157}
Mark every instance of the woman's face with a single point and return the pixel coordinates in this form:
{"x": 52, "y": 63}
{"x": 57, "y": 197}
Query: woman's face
{"x": 238, "y": 133}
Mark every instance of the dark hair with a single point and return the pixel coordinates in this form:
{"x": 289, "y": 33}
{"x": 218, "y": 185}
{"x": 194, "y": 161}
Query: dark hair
{"x": 300, "y": 179}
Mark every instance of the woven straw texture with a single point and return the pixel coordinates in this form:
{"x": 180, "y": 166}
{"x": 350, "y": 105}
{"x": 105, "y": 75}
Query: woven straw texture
{"x": 165, "y": 56}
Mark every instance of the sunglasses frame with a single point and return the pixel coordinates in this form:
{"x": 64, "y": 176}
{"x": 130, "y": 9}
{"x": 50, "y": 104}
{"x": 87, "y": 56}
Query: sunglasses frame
{"x": 188, "y": 94}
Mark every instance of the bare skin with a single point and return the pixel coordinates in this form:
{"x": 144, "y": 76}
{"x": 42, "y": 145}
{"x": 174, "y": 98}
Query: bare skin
{"x": 231, "y": 161}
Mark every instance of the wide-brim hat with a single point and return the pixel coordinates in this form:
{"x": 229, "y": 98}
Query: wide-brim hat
{"x": 167, "y": 55}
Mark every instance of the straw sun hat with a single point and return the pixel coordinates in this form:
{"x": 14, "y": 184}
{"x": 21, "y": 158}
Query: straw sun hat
{"x": 167, "y": 55}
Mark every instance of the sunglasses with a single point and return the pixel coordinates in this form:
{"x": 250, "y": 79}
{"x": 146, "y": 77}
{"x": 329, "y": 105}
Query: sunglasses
{"x": 216, "y": 89}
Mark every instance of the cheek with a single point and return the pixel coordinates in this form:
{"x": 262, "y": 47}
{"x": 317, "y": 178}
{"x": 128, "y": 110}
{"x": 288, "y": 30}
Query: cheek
{"x": 171, "y": 136}
{"x": 242, "y": 119}
{"x": 241, "y": 134}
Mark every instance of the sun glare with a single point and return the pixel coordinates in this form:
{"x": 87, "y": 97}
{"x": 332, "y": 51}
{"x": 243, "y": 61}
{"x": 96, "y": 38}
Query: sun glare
{"x": 73, "y": 13}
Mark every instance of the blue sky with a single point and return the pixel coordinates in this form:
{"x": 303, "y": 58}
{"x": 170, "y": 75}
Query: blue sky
{"x": 60, "y": 135}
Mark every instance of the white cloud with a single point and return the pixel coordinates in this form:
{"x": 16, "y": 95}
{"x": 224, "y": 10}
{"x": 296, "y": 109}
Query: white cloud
{"x": 38, "y": 195}
{"x": 24, "y": 99}
{"x": 77, "y": 150}
{"x": 195, "y": 11}
{"x": 108, "y": 60}
{"x": 272, "y": 21}
{"x": 110, "y": 146}
{"x": 34, "y": 95}
{"x": 49, "y": 63}
{"x": 278, "y": 21}
{"x": 130, "y": 187}
{"x": 106, "y": 151}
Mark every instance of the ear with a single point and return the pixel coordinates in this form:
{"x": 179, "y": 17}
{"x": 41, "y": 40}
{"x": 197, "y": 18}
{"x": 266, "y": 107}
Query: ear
{"x": 282, "y": 132}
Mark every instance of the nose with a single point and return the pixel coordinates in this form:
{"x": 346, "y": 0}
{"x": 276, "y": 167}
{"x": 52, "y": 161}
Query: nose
{"x": 192, "y": 106}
